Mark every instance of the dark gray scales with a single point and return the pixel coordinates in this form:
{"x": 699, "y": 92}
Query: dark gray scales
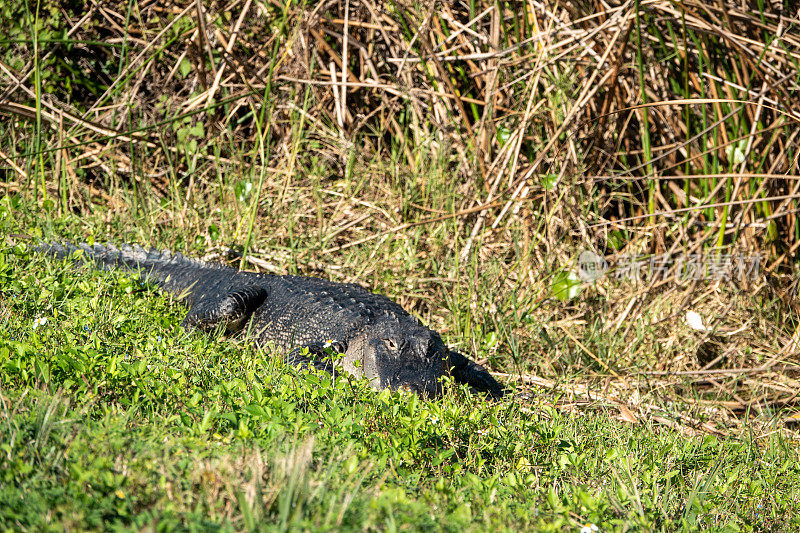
{"x": 301, "y": 316}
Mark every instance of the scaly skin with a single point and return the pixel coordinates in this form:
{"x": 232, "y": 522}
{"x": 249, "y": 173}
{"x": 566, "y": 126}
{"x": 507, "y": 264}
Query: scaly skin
{"x": 301, "y": 315}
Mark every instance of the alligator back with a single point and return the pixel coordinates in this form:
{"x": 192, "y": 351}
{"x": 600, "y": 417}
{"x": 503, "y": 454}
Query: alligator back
{"x": 305, "y": 310}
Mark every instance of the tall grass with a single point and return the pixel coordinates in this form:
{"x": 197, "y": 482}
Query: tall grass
{"x": 714, "y": 86}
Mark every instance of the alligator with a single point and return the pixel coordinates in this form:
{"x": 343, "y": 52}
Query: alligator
{"x": 307, "y": 318}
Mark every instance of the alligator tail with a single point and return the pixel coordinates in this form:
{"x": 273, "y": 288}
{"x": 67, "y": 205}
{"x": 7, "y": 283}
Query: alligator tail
{"x": 175, "y": 273}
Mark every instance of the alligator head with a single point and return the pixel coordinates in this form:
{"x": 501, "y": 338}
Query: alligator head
{"x": 399, "y": 355}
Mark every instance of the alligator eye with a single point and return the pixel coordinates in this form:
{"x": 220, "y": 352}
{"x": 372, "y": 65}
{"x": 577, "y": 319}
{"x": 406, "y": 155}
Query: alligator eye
{"x": 390, "y": 344}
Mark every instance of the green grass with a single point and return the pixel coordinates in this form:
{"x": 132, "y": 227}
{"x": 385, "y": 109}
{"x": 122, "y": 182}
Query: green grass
{"x": 112, "y": 416}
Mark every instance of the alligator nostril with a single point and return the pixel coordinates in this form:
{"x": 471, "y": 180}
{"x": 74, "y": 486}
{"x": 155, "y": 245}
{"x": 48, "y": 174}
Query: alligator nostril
{"x": 430, "y": 349}
{"x": 426, "y": 390}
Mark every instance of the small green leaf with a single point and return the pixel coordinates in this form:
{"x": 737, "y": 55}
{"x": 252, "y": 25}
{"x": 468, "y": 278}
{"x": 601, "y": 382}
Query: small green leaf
{"x": 503, "y": 135}
{"x": 566, "y": 286}
{"x": 242, "y": 190}
{"x": 185, "y": 67}
{"x": 548, "y": 181}
{"x": 490, "y": 340}
{"x": 213, "y": 232}
{"x": 616, "y": 239}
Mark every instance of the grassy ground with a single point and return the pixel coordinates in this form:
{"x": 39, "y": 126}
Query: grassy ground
{"x": 112, "y": 414}
{"x": 473, "y": 154}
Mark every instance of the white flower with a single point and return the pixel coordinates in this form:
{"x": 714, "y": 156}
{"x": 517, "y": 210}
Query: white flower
{"x": 590, "y": 528}
{"x": 41, "y": 321}
{"x": 695, "y": 321}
